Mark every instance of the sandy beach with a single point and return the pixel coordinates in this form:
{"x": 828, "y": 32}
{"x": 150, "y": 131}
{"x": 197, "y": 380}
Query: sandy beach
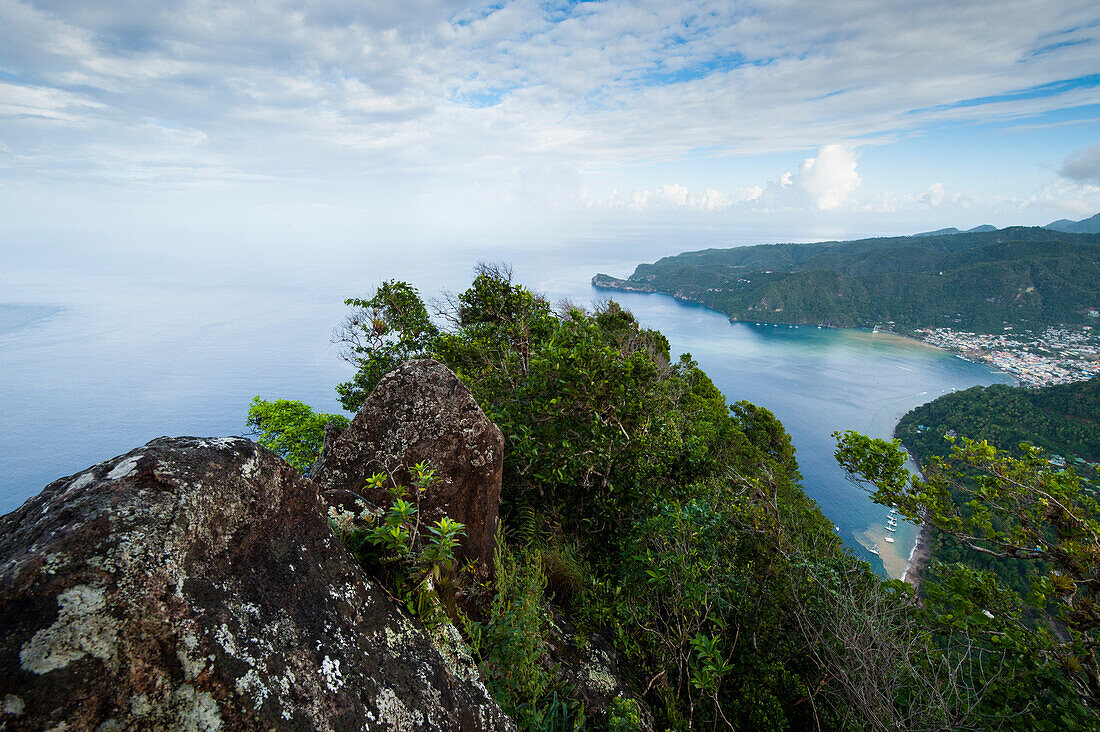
{"x": 919, "y": 557}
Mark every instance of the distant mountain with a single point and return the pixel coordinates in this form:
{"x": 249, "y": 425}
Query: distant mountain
{"x": 1024, "y": 276}
{"x": 948, "y": 232}
{"x": 1090, "y": 225}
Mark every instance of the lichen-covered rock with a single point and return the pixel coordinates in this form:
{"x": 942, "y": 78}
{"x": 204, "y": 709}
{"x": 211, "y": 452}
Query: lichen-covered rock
{"x": 421, "y": 412}
{"x": 591, "y": 667}
{"x": 196, "y": 585}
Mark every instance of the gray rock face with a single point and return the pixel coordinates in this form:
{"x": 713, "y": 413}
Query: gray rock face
{"x": 593, "y": 670}
{"x": 420, "y": 411}
{"x": 196, "y": 585}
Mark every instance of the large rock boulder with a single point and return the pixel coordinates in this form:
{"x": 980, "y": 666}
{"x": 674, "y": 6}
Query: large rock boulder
{"x": 421, "y": 412}
{"x": 196, "y": 585}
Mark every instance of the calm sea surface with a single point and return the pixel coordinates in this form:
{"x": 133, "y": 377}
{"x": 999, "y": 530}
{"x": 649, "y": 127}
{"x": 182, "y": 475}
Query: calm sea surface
{"x": 97, "y": 360}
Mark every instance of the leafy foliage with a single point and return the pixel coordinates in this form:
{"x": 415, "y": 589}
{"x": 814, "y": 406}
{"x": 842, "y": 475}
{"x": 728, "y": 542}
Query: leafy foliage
{"x": 638, "y": 504}
{"x": 418, "y": 565}
{"x": 1062, "y": 420}
{"x": 379, "y": 334}
{"x": 511, "y": 641}
{"x": 291, "y": 429}
{"x": 1019, "y": 508}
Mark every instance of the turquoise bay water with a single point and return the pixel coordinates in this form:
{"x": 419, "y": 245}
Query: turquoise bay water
{"x": 100, "y": 360}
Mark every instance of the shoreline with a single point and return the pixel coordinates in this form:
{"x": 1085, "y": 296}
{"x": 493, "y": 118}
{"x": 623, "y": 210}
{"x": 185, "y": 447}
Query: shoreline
{"x": 918, "y": 558}
{"x": 647, "y": 289}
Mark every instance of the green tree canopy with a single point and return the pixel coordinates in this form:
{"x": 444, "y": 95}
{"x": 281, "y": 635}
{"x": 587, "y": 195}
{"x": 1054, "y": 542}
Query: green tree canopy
{"x": 1020, "y": 508}
{"x": 291, "y": 429}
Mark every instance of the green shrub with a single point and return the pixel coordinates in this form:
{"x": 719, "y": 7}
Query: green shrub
{"x": 623, "y": 715}
{"x": 291, "y": 429}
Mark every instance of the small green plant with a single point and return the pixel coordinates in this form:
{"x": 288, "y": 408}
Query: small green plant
{"x": 511, "y": 642}
{"x": 419, "y": 565}
{"x": 707, "y": 665}
{"x": 623, "y": 716}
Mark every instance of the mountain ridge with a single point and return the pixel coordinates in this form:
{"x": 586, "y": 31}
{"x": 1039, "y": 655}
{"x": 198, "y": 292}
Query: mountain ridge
{"x": 978, "y": 281}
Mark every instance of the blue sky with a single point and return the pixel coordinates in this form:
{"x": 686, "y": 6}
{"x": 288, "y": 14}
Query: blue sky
{"x": 413, "y": 119}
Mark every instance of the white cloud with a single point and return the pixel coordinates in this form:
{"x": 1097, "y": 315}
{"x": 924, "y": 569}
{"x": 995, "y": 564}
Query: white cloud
{"x": 1065, "y": 197}
{"x": 753, "y": 78}
{"x": 670, "y": 197}
{"x": 830, "y": 177}
{"x": 43, "y": 104}
{"x": 471, "y": 103}
{"x": 935, "y": 195}
{"x": 821, "y": 183}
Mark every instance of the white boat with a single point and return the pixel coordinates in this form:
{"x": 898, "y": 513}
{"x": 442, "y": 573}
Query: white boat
{"x": 837, "y": 529}
{"x": 873, "y": 549}
{"x": 890, "y": 539}
{"x": 891, "y": 528}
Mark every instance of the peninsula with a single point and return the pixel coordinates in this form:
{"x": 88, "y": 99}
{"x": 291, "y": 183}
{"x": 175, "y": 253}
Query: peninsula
{"x": 1025, "y": 299}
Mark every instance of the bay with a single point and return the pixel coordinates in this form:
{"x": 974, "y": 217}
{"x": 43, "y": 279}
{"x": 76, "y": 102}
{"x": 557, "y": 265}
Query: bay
{"x": 98, "y": 359}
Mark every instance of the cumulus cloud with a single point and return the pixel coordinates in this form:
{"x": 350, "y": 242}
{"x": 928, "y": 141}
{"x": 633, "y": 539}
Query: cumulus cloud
{"x": 937, "y": 195}
{"x": 1065, "y": 197}
{"x": 824, "y": 182}
{"x": 1083, "y": 166}
{"x": 830, "y": 177}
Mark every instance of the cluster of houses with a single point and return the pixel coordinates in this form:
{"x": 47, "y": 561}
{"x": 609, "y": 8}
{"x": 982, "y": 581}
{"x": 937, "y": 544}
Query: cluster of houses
{"x": 1057, "y": 355}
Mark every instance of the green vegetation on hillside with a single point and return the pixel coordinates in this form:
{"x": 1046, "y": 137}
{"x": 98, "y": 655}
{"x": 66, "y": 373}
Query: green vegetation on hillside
{"x": 1063, "y": 421}
{"x": 976, "y": 281}
{"x": 1017, "y": 509}
{"x": 639, "y": 505}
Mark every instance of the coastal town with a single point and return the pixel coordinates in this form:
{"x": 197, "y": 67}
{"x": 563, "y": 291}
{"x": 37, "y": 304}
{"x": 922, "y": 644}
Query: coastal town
{"x": 1056, "y": 355}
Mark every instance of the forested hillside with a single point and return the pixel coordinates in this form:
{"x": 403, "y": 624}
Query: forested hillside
{"x": 1063, "y": 421}
{"x": 977, "y": 281}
